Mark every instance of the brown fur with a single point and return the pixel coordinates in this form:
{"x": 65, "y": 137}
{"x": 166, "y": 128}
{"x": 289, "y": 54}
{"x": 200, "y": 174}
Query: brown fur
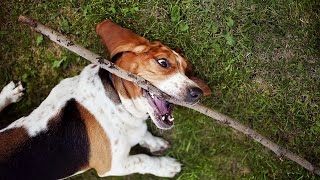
{"x": 11, "y": 140}
{"x": 115, "y": 44}
{"x": 100, "y": 147}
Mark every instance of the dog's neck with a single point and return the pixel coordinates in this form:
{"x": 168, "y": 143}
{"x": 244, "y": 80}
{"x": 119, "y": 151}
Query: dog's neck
{"x": 131, "y": 97}
{"x": 126, "y": 93}
{"x": 129, "y": 94}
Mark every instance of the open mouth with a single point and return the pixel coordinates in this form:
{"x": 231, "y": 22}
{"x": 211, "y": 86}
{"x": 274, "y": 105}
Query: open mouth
{"x": 163, "y": 118}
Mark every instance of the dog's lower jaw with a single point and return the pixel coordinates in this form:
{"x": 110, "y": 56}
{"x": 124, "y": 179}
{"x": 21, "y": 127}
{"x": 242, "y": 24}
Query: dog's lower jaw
{"x": 137, "y": 107}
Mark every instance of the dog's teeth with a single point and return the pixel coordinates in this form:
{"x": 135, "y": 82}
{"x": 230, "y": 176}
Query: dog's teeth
{"x": 171, "y": 118}
{"x": 151, "y": 95}
{"x": 163, "y": 118}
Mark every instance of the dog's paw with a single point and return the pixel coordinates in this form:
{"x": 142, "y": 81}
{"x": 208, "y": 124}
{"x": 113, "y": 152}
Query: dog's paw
{"x": 12, "y": 92}
{"x": 156, "y": 145}
{"x": 160, "y": 146}
{"x": 169, "y": 167}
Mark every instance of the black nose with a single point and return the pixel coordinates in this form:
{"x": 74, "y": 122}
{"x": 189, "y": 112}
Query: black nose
{"x": 194, "y": 94}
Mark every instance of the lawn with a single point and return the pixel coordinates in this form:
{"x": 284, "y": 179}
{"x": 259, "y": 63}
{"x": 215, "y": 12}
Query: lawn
{"x": 261, "y": 59}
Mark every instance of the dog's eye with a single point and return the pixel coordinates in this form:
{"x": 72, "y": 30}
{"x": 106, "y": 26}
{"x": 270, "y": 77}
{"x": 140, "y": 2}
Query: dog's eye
{"x": 163, "y": 62}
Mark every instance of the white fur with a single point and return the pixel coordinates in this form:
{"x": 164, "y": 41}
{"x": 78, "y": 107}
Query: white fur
{"x": 179, "y": 58}
{"x": 11, "y": 93}
{"x": 153, "y": 143}
{"x": 139, "y": 107}
{"x": 124, "y": 124}
{"x": 177, "y": 85}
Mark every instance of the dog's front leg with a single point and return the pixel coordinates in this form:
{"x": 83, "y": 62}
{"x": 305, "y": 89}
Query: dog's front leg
{"x": 156, "y": 145}
{"x": 11, "y": 93}
{"x": 144, "y": 164}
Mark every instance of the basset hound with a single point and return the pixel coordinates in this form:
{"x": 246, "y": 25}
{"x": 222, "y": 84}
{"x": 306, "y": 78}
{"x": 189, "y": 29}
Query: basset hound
{"x": 92, "y": 120}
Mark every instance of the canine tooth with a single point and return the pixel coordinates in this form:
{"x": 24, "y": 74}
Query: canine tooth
{"x": 171, "y": 118}
{"x": 151, "y": 95}
{"x": 163, "y": 118}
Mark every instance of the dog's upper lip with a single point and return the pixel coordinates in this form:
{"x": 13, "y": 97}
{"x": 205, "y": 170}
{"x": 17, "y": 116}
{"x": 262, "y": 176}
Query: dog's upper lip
{"x": 162, "y": 110}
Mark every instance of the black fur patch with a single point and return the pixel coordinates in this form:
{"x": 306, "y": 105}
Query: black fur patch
{"x": 59, "y": 152}
{"x": 116, "y": 57}
{"x": 110, "y": 91}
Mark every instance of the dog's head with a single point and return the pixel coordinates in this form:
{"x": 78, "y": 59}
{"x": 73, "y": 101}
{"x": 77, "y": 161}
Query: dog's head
{"x": 165, "y": 68}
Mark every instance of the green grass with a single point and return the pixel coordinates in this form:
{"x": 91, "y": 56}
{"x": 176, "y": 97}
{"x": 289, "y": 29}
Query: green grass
{"x": 261, "y": 59}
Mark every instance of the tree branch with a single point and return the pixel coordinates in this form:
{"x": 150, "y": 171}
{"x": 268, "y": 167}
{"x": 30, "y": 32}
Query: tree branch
{"x": 112, "y": 68}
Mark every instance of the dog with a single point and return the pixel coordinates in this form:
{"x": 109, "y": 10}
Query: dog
{"x": 92, "y": 120}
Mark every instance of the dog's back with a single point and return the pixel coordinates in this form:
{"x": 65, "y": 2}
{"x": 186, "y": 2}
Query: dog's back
{"x": 54, "y": 140}
{"x": 59, "y": 151}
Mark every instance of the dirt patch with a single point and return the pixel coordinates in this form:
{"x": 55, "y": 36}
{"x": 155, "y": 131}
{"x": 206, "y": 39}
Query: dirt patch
{"x": 262, "y": 85}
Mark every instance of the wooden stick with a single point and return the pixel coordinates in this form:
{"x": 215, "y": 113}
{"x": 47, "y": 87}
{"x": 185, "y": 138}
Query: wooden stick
{"x": 112, "y": 68}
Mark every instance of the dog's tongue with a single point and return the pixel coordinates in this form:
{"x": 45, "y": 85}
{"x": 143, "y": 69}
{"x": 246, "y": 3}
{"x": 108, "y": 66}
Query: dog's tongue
{"x": 162, "y": 106}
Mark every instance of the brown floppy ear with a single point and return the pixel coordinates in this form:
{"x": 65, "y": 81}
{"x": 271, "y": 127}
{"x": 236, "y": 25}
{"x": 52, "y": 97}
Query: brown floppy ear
{"x": 203, "y": 86}
{"x": 117, "y": 39}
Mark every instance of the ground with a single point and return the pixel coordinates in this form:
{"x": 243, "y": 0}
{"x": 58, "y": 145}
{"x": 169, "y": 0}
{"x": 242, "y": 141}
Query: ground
{"x": 261, "y": 59}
